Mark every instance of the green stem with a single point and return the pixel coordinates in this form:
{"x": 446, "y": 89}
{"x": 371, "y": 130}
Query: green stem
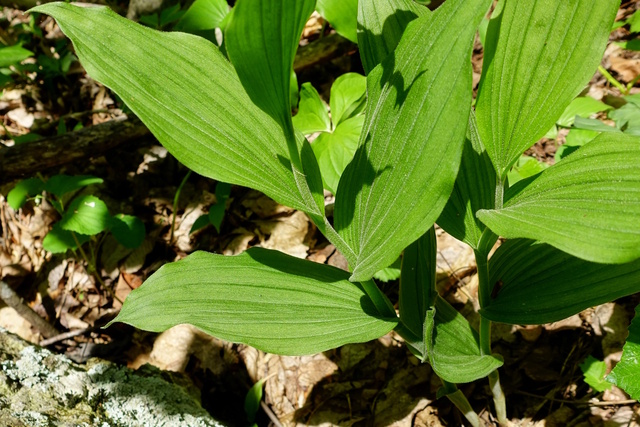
{"x": 499, "y": 400}
{"x": 612, "y": 80}
{"x": 460, "y": 401}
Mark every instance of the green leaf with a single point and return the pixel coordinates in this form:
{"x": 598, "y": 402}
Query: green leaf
{"x": 59, "y": 241}
{"x": 252, "y": 400}
{"x": 216, "y": 212}
{"x": 526, "y": 167}
{"x": 335, "y": 150}
{"x": 61, "y": 184}
{"x": 203, "y": 15}
{"x": 381, "y": 24}
{"x": 629, "y": 44}
{"x": 455, "y": 355}
{"x": 474, "y": 190}
{"x": 312, "y": 113}
{"x": 390, "y": 273}
{"x": 417, "y": 291}
{"x": 412, "y": 140}
{"x": 19, "y": 195}
{"x": 594, "y": 371}
{"x": 128, "y": 230}
{"x": 627, "y": 118}
{"x": 575, "y": 139}
{"x": 537, "y": 283}
{"x": 348, "y": 97}
{"x": 201, "y": 222}
{"x": 11, "y": 55}
{"x": 587, "y": 205}
{"x": 634, "y": 22}
{"x": 583, "y": 106}
{"x": 266, "y": 299}
{"x": 262, "y": 39}
{"x": 86, "y": 215}
{"x": 342, "y": 15}
{"x": 626, "y": 374}
{"x": 592, "y": 124}
{"x": 539, "y": 55}
{"x": 188, "y": 95}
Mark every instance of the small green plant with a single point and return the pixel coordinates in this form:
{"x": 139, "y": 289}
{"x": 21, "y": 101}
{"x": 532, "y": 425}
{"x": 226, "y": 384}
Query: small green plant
{"x": 572, "y": 231}
{"x": 82, "y": 215}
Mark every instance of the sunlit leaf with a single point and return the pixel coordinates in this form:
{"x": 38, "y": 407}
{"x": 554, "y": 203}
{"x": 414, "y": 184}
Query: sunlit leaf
{"x": 342, "y": 15}
{"x": 474, "y": 190}
{"x": 583, "y": 106}
{"x": 412, "y": 140}
{"x": 626, "y": 374}
{"x": 334, "y": 150}
{"x": 312, "y": 114}
{"x": 587, "y": 205}
{"x": 203, "y": 15}
{"x": 263, "y": 298}
{"x": 19, "y": 195}
{"x": 535, "y": 283}
{"x": 539, "y": 55}
{"x": 188, "y": 95}
{"x": 348, "y": 96}
{"x": 86, "y": 215}
{"x": 381, "y": 24}
{"x": 10, "y": 55}
{"x": 62, "y": 184}
{"x": 594, "y": 371}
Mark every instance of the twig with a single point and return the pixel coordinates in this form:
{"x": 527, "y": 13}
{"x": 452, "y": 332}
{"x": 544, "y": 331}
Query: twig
{"x": 274, "y": 419}
{"x": 11, "y": 298}
{"x": 66, "y": 336}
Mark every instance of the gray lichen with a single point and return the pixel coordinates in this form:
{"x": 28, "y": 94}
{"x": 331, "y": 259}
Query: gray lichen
{"x": 42, "y": 389}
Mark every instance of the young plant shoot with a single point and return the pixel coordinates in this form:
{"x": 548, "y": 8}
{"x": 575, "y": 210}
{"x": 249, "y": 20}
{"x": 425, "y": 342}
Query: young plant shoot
{"x": 424, "y": 155}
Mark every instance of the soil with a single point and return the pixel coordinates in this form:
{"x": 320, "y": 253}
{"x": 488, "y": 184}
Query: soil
{"x": 378, "y": 383}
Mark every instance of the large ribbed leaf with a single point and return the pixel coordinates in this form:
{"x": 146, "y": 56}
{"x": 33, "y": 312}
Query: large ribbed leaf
{"x": 455, "y": 355}
{"x": 263, "y": 298}
{"x": 418, "y": 292}
{"x": 410, "y": 148}
{"x": 188, "y": 95}
{"x": 381, "y": 24}
{"x": 474, "y": 190}
{"x": 537, "y": 283}
{"x": 539, "y": 55}
{"x": 587, "y": 205}
{"x": 262, "y": 39}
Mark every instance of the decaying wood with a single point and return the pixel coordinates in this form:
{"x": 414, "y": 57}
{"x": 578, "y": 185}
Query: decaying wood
{"x": 29, "y": 158}
{"x": 322, "y": 50}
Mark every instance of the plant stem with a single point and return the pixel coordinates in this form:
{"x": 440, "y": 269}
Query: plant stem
{"x": 460, "y": 401}
{"x": 175, "y": 205}
{"x": 613, "y": 80}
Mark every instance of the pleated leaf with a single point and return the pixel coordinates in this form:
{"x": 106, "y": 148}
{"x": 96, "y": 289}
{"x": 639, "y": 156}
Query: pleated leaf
{"x": 262, "y": 39}
{"x": 263, "y": 298}
{"x": 411, "y": 143}
{"x": 381, "y": 24}
{"x": 626, "y": 374}
{"x": 455, "y": 355}
{"x": 312, "y": 114}
{"x": 418, "y": 291}
{"x": 587, "y": 205}
{"x": 537, "y": 283}
{"x": 188, "y": 95}
{"x": 539, "y": 55}
{"x": 342, "y": 15}
{"x": 474, "y": 190}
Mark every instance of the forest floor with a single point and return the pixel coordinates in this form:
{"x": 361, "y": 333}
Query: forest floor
{"x": 378, "y": 383}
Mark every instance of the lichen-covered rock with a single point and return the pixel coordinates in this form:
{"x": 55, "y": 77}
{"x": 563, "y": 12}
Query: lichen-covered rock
{"x": 39, "y": 388}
